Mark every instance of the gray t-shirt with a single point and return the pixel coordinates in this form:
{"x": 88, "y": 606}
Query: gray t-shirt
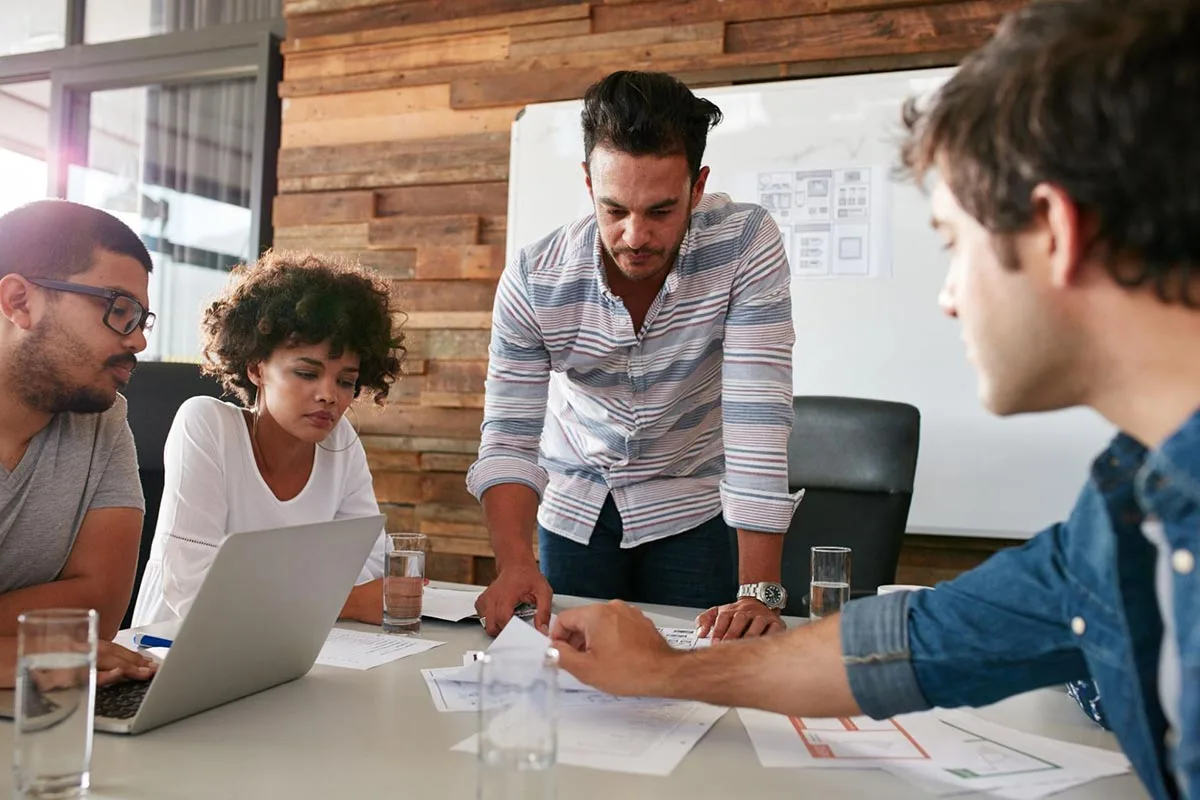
{"x": 76, "y": 463}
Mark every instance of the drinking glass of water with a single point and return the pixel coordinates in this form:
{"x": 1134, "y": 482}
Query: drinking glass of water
{"x": 518, "y": 724}
{"x": 404, "y": 583}
{"x": 55, "y": 702}
{"x": 830, "y": 588}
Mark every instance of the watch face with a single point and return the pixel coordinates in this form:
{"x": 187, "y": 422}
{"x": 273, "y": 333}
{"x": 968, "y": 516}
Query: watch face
{"x": 773, "y": 595}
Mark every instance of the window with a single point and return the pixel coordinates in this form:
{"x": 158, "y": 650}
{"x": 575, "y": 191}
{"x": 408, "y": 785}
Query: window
{"x": 112, "y": 20}
{"x": 32, "y": 25}
{"x": 24, "y": 142}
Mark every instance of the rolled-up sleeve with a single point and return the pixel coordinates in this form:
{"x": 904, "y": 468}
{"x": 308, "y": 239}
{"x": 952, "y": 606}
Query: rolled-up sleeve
{"x": 756, "y": 386}
{"x": 876, "y": 655}
{"x": 516, "y": 390}
{"x": 992, "y": 632}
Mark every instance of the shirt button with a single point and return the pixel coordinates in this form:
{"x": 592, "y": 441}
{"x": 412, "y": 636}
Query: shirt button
{"x": 1183, "y": 562}
{"x": 1078, "y": 626}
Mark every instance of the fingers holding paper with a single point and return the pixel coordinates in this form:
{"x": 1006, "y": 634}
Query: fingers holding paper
{"x": 614, "y": 648}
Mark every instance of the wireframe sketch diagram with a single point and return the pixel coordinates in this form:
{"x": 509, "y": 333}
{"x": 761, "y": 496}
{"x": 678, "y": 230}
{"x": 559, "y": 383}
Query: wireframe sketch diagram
{"x": 827, "y": 218}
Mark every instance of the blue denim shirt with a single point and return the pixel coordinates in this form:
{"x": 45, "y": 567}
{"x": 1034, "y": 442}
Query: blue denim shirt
{"x": 1075, "y": 601}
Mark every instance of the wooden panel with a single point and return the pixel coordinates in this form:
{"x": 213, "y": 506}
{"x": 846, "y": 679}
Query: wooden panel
{"x": 704, "y": 35}
{"x": 445, "y": 487}
{"x": 550, "y": 30}
{"x": 453, "y": 399}
{"x": 470, "y": 514}
{"x": 415, "y": 54}
{"x": 544, "y": 16}
{"x": 449, "y": 423}
{"x": 393, "y": 461}
{"x": 407, "y": 231}
{"x": 323, "y": 237}
{"x": 420, "y": 444}
{"x": 399, "y": 518}
{"x": 457, "y": 344}
{"x": 414, "y": 12}
{"x": 472, "y": 261}
{"x": 356, "y": 105}
{"x": 446, "y": 295}
{"x": 292, "y": 210}
{"x": 456, "y": 376}
{"x": 447, "y": 462}
{"x": 448, "y": 566}
{"x": 460, "y": 159}
{"x": 463, "y": 198}
{"x": 442, "y": 320}
{"x": 396, "y": 264}
{"x": 609, "y": 17}
{"x": 955, "y": 25}
{"x": 432, "y": 124}
{"x": 397, "y": 487}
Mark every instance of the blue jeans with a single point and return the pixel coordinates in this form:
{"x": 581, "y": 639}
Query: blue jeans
{"x": 694, "y": 568}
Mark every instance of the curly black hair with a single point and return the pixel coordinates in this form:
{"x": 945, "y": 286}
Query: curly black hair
{"x": 290, "y": 298}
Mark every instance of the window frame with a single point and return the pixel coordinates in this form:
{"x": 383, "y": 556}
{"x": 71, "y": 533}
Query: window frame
{"x": 221, "y": 52}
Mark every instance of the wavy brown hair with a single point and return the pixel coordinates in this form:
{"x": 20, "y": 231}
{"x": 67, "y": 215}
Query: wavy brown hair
{"x": 1097, "y": 97}
{"x": 291, "y": 298}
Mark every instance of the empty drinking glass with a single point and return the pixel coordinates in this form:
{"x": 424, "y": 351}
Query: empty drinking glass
{"x": 518, "y": 724}
{"x": 55, "y": 702}
{"x": 404, "y": 582}
{"x": 830, "y": 587}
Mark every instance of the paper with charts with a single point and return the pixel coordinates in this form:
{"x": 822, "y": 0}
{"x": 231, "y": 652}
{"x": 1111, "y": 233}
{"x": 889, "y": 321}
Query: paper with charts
{"x": 941, "y": 752}
{"x": 835, "y": 222}
{"x": 645, "y": 736}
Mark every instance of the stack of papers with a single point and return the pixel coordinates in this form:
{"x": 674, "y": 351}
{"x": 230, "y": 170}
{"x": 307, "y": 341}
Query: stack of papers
{"x": 941, "y": 752}
{"x": 645, "y": 736}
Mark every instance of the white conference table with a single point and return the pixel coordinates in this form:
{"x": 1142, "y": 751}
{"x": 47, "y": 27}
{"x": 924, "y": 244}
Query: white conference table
{"x": 338, "y": 733}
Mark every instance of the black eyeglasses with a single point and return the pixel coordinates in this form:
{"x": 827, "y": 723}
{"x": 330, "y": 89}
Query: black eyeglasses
{"x": 123, "y": 315}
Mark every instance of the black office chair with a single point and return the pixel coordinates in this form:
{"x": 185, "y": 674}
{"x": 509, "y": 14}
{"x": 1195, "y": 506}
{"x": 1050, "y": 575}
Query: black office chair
{"x": 154, "y": 395}
{"x": 856, "y": 460}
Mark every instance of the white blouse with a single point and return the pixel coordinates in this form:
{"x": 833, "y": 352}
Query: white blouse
{"x": 212, "y": 487}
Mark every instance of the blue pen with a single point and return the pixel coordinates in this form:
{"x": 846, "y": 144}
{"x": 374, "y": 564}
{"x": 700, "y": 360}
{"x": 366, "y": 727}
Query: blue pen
{"x": 146, "y": 640}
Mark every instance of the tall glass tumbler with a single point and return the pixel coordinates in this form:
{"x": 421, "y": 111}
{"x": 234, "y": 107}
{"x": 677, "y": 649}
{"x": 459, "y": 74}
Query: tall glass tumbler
{"x": 55, "y": 702}
{"x": 518, "y": 724}
{"x": 830, "y": 587}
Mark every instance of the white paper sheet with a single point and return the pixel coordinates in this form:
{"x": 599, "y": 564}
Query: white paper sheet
{"x": 1011, "y": 764}
{"x": 361, "y": 650}
{"x": 848, "y": 743}
{"x": 452, "y": 605}
{"x": 622, "y": 734}
{"x": 684, "y": 638}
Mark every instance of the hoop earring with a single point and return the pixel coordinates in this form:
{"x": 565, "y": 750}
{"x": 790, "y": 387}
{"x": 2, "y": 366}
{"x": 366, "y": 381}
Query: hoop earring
{"x": 354, "y": 425}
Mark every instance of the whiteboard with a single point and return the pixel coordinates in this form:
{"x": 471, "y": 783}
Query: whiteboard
{"x": 878, "y": 334}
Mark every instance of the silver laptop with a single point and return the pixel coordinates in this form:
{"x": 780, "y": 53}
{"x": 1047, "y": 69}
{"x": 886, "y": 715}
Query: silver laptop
{"x": 259, "y": 619}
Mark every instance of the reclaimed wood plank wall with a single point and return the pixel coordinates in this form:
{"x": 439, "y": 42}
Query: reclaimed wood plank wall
{"x": 395, "y": 147}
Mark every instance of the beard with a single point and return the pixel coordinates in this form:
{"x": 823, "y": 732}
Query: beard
{"x": 38, "y": 367}
{"x": 668, "y": 260}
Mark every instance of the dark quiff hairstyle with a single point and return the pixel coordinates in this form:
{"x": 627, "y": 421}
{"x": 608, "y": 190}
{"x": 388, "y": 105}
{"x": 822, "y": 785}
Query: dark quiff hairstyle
{"x": 1096, "y": 97}
{"x": 56, "y": 239}
{"x": 647, "y": 114}
{"x": 297, "y": 298}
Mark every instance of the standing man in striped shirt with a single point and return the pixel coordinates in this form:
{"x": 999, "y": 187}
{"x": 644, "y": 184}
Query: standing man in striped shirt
{"x": 658, "y": 334}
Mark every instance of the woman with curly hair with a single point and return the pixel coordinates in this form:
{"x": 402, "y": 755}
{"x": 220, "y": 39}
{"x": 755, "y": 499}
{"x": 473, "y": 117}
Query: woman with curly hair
{"x": 296, "y": 337}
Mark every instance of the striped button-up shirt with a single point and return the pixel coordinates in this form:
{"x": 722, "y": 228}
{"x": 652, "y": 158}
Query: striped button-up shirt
{"x": 679, "y": 421}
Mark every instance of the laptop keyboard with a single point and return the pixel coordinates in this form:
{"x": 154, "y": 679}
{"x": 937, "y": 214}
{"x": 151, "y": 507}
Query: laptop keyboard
{"x": 120, "y": 700}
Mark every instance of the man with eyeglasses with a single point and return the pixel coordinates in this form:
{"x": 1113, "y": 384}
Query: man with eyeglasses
{"x": 73, "y": 316}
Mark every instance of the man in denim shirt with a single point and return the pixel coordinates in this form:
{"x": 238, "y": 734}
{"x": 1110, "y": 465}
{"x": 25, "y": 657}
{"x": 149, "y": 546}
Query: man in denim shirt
{"x": 1068, "y": 195}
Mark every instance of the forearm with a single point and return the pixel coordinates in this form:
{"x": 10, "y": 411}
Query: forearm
{"x": 798, "y": 673}
{"x": 759, "y": 556}
{"x": 78, "y": 592}
{"x": 365, "y": 603}
{"x": 510, "y": 511}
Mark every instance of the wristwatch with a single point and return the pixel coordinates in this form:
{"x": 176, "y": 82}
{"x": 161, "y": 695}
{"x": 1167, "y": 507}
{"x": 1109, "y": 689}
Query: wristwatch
{"x": 772, "y": 595}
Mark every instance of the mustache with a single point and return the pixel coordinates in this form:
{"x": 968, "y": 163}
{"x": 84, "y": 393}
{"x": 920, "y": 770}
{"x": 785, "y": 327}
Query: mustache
{"x": 122, "y": 360}
{"x": 643, "y": 251}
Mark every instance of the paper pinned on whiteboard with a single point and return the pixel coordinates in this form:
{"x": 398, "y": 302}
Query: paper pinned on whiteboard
{"x": 835, "y": 223}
